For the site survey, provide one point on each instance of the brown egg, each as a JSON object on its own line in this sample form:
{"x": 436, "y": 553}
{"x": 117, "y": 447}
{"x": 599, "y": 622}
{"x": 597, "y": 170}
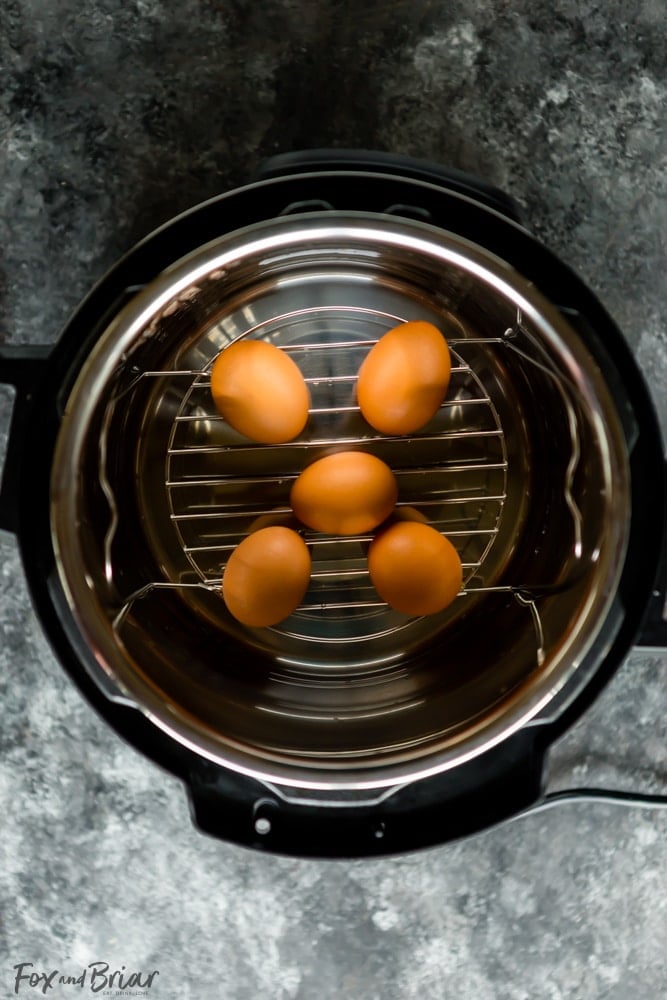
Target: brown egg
{"x": 414, "y": 568}
{"x": 260, "y": 391}
{"x": 347, "y": 493}
{"x": 402, "y": 513}
{"x": 404, "y": 378}
{"x": 285, "y": 519}
{"x": 266, "y": 576}
{"x": 405, "y": 513}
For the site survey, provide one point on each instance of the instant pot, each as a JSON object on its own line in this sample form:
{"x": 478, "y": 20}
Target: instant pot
{"x": 348, "y": 729}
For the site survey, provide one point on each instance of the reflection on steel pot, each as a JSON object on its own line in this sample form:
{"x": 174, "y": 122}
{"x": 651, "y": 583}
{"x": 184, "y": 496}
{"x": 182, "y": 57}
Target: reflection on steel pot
{"x": 348, "y": 727}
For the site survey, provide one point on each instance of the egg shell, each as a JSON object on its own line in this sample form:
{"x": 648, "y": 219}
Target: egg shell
{"x": 266, "y": 576}
{"x": 414, "y": 568}
{"x": 260, "y": 391}
{"x": 402, "y": 513}
{"x": 346, "y": 493}
{"x": 286, "y": 519}
{"x": 406, "y": 513}
{"x": 404, "y": 378}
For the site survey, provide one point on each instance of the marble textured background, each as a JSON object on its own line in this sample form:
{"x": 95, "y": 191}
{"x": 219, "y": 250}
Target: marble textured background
{"x": 115, "y": 115}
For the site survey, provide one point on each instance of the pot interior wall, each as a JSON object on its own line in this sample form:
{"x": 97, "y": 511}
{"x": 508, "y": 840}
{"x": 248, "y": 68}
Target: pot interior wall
{"x": 523, "y": 468}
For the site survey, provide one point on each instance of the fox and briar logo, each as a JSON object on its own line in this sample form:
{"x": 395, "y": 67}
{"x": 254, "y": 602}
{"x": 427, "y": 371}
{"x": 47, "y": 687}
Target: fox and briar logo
{"x": 97, "y": 976}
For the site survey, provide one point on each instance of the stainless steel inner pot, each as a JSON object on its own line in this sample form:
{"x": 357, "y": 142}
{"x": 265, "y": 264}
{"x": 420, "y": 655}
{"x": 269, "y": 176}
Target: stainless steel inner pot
{"x": 524, "y": 468}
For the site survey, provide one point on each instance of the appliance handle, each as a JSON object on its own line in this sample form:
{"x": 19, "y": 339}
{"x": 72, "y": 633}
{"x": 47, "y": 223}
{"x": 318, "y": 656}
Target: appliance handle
{"x": 497, "y": 786}
{"x": 322, "y": 160}
{"x": 653, "y": 633}
{"x": 22, "y": 367}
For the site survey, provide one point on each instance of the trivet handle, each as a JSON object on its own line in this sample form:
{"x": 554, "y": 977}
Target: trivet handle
{"x": 21, "y": 367}
{"x": 449, "y": 178}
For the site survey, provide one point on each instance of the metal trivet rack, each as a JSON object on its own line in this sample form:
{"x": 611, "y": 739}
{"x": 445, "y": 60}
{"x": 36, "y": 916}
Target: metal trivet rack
{"x": 220, "y": 486}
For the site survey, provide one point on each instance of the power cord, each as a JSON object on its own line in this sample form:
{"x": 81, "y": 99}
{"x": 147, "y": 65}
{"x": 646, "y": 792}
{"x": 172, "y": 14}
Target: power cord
{"x": 607, "y": 796}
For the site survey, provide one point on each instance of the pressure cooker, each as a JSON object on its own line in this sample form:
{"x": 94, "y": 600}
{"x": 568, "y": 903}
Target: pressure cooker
{"x": 349, "y": 728}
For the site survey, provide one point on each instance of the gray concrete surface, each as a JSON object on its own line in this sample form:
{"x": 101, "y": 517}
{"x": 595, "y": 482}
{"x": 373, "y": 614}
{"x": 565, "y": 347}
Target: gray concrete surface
{"x": 113, "y": 117}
